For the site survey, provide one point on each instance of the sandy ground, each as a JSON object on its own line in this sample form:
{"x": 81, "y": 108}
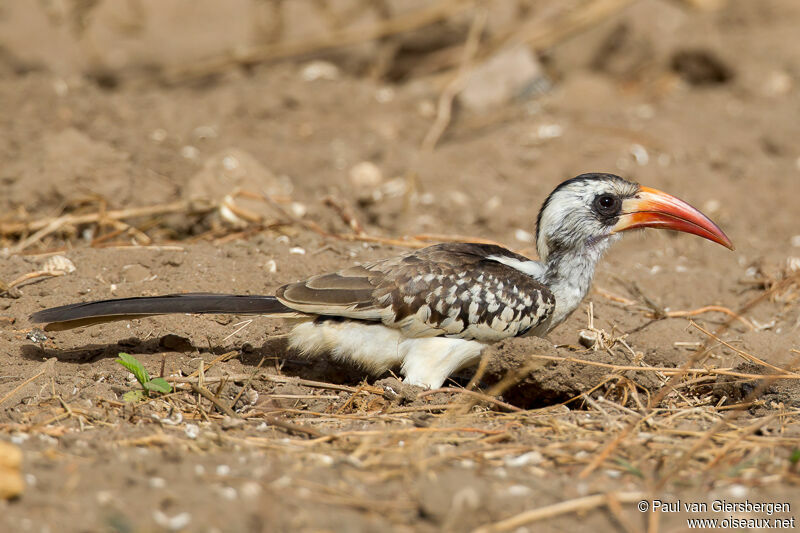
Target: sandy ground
{"x": 77, "y": 139}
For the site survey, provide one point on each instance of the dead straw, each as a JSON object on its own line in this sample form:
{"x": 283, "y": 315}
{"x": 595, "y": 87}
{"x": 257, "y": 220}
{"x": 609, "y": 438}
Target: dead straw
{"x": 569, "y": 506}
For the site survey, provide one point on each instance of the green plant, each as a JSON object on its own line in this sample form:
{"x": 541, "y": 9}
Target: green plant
{"x": 140, "y": 372}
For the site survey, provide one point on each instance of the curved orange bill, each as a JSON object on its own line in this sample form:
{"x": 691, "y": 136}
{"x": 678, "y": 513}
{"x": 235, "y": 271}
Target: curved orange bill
{"x": 651, "y": 208}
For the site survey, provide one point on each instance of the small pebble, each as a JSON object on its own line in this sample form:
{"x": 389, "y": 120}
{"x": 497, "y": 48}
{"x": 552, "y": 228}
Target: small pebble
{"x": 192, "y": 431}
{"x": 712, "y": 206}
{"x": 778, "y": 83}
{"x": 229, "y": 493}
{"x": 738, "y": 491}
{"x": 323, "y": 459}
{"x": 640, "y": 154}
{"x": 426, "y": 109}
{"x": 251, "y": 396}
{"x": 250, "y": 489}
{"x": 319, "y": 70}
{"x": 230, "y": 163}
{"x": 297, "y": 250}
{"x": 384, "y": 95}
{"x": 549, "y": 131}
{"x": 587, "y": 339}
{"x": 190, "y": 152}
{"x": 282, "y": 482}
{"x": 174, "y": 523}
{"x": 36, "y": 336}
{"x": 530, "y": 458}
{"x": 204, "y": 132}
{"x": 158, "y": 135}
{"x": 519, "y": 490}
{"x": 466, "y": 498}
{"x": 524, "y": 236}
{"x": 365, "y": 174}
{"x": 60, "y": 87}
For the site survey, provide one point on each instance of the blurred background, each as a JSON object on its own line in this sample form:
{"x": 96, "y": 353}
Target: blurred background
{"x": 422, "y": 117}
{"x": 152, "y": 146}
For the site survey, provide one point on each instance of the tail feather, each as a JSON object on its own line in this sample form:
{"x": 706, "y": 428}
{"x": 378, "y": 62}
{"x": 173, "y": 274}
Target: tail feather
{"x": 90, "y": 313}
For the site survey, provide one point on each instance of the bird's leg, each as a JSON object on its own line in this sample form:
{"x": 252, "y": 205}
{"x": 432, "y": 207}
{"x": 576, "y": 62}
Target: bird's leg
{"x": 428, "y": 361}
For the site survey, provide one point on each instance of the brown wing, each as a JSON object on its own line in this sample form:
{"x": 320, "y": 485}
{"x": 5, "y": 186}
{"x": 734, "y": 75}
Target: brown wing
{"x": 451, "y": 289}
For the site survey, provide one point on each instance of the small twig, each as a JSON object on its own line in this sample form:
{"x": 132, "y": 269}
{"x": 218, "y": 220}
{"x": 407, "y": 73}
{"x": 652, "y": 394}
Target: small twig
{"x": 743, "y": 433}
{"x": 35, "y": 275}
{"x": 46, "y": 366}
{"x": 242, "y": 325}
{"x": 205, "y": 393}
{"x": 667, "y": 370}
{"x": 295, "y": 428}
{"x": 711, "y": 433}
{"x": 44, "y": 227}
{"x": 474, "y": 394}
{"x": 709, "y": 309}
{"x": 445, "y": 107}
{"x": 358, "y": 34}
{"x": 52, "y": 226}
{"x": 557, "y": 509}
{"x": 279, "y": 379}
{"x": 321, "y": 384}
{"x": 345, "y": 213}
{"x": 745, "y": 355}
{"x": 247, "y": 383}
{"x": 614, "y": 297}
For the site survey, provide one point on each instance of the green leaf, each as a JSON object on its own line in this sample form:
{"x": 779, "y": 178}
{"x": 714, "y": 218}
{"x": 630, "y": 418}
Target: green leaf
{"x": 133, "y": 396}
{"x": 794, "y": 458}
{"x": 158, "y": 385}
{"x": 133, "y": 364}
{"x": 629, "y": 467}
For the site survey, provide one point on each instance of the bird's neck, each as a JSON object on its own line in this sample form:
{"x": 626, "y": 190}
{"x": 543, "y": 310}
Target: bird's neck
{"x": 569, "y": 273}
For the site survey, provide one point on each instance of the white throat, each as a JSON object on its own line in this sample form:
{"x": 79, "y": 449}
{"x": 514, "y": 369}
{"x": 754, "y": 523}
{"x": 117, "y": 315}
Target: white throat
{"x": 569, "y": 276}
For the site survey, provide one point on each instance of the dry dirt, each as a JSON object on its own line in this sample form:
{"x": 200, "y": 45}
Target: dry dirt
{"x": 702, "y": 103}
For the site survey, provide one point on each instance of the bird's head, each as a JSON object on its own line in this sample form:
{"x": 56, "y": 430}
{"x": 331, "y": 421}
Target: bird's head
{"x": 591, "y": 210}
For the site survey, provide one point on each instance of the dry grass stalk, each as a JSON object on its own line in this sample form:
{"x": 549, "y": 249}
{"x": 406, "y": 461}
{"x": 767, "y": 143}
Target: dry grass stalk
{"x": 444, "y": 108}
{"x": 480, "y": 396}
{"x": 570, "y": 506}
{"x": 47, "y": 226}
{"x": 306, "y": 45}
{"x": 46, "y": 368}
{"x": 745, "y": 355}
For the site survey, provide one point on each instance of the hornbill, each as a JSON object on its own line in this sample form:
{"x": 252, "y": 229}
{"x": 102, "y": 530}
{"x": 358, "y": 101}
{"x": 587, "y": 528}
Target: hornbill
{"x": 432, "y": 311}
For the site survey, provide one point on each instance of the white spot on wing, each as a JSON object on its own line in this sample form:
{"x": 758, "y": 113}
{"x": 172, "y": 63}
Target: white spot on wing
{"x": 531, "y": 268}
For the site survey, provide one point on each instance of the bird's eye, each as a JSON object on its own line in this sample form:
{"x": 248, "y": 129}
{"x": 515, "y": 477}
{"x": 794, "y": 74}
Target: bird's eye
{"x": 607, "y": 204}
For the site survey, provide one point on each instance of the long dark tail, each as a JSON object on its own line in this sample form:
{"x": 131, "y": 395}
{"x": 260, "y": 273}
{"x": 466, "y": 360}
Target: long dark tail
{"x": 90, "y": 313}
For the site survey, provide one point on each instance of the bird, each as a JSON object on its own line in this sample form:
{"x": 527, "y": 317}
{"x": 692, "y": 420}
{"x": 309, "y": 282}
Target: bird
{"x": 432, "y": 312}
